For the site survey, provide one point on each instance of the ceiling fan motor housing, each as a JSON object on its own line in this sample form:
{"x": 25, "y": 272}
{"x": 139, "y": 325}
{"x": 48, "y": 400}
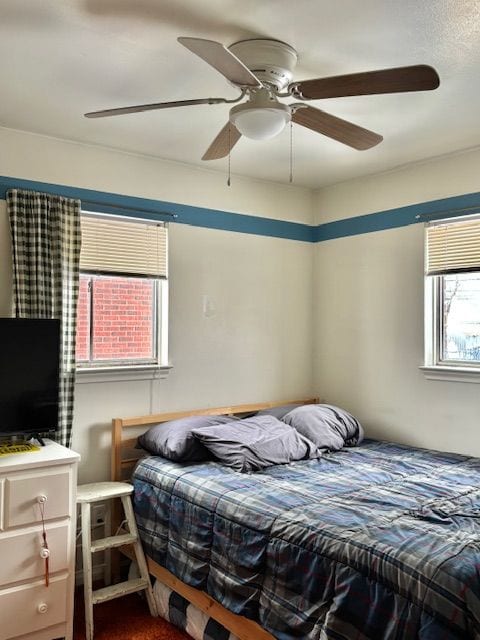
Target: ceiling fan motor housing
{"x": 271, "y": 61}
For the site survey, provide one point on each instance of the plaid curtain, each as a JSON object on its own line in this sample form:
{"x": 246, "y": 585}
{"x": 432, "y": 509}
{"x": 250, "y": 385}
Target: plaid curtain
{"x": 46, "y": 242}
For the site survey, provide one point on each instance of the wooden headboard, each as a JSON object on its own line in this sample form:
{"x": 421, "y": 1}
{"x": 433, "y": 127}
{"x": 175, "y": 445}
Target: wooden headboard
{"x": 124, "y": 454}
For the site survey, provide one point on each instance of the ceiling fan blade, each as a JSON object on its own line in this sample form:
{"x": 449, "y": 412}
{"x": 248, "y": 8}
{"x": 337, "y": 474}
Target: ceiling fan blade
{"x": 223, "y": 143}
{"x": 151, "y": 107}
{"x": 221, "y": 59}
{"x": 336, "y": 128}
{"x": 416, "y": 78}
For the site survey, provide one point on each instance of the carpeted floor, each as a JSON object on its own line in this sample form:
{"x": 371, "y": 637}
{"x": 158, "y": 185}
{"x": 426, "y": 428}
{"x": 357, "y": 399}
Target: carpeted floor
{"x": 125, "y": 618}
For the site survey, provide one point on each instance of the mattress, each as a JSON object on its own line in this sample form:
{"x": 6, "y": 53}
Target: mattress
{"x": 379, "y": 541}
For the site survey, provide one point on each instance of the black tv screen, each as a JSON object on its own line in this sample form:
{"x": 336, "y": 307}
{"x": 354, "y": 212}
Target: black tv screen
{"x": 29, "y": 375}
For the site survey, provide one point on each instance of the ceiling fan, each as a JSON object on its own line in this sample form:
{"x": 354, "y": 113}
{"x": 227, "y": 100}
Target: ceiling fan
{"x": 262, "y": 70}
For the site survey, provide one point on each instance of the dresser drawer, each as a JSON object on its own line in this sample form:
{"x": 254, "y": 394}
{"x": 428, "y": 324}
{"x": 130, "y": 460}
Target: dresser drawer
{"x": 23, "y": 492}
{"x": 20, "y": 552}
{"x": 30, "y": 608}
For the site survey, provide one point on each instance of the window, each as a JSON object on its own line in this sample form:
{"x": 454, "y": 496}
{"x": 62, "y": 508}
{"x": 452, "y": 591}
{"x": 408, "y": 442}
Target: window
{"x": 122, "y": 305}
{"x": 452, "y": 295}
{"x": 460, "y": 309}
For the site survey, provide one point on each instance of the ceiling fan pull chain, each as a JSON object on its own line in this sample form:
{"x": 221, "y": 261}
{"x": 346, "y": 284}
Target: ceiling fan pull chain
{"x": 229, "y": 154}
{"x": 291, "y": 152}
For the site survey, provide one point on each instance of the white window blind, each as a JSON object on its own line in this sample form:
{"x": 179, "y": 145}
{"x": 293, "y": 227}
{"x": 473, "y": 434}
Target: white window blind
{"x": 453, "y": 247}
{"x": 110, "y": 245}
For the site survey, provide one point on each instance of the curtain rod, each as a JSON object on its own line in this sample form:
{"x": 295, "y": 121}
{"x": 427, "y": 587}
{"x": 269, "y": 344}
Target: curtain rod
{"x": 449, "y": 213}
{"x": 106, "y": 207}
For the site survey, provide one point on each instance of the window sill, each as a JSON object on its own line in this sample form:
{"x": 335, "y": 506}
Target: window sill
{"x": 451, "y": 374}
{"x": 117, "y": 374}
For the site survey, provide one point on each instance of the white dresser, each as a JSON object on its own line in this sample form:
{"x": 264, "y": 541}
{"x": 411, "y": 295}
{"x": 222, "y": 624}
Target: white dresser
{"x": 29, "y": 610}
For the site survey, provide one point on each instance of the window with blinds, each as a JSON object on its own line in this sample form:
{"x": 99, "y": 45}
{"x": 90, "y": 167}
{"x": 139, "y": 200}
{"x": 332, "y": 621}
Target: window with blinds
{"x": 122, "y": 307}
{"x": 117, "y": 246}
{"x": 452, "y": 264}
{"x": 453, "y": 247}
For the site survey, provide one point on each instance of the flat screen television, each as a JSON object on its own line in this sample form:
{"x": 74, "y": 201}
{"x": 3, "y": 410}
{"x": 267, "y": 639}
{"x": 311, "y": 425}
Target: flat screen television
{"x": 29, "y": 375}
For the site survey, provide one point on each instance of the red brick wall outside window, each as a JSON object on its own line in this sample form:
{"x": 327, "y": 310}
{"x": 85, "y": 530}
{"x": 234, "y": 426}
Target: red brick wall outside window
{"x": 83, "y": 321}
{"x": 121, "y": 311}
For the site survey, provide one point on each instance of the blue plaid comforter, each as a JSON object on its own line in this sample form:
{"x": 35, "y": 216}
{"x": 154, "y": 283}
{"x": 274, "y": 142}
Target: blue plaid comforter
{"x": 377, "y": 542}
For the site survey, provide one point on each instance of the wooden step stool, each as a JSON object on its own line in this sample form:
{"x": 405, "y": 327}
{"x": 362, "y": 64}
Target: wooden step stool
{"x": 96, "y": 492}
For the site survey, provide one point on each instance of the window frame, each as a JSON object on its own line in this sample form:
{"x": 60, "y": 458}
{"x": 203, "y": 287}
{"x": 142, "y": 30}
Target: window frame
{"x": 113, "y": 370}
{"x": 435, "y": 367}
{"x": 136, "y": 370}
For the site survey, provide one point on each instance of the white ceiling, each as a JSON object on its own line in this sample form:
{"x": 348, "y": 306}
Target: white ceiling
{"x": 61, "y": 58}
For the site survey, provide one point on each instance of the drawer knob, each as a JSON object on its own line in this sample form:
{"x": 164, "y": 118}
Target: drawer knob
{"x": 41, "y": 499}
{"x": 44, "y": 553}
{"x": 42, "y": 607}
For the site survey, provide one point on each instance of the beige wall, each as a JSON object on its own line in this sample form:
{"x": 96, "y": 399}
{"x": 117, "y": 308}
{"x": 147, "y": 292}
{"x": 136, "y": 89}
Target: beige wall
{"x": 443, "y": 177}
{"x": 368, "y": 313}
{"x": 254, "y": 344}
{"x": 364, "y": 321}
{"x": 46, "y": 159}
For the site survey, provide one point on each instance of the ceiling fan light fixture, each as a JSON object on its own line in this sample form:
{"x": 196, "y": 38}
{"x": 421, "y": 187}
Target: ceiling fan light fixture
{"x": 260, "y": 122}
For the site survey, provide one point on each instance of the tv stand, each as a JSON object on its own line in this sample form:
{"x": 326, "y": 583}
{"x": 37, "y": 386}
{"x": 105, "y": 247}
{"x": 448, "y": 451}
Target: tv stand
{"x": 38, "y": 438}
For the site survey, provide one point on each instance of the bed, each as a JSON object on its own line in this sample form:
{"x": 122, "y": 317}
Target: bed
{"x": 379, "y": 541}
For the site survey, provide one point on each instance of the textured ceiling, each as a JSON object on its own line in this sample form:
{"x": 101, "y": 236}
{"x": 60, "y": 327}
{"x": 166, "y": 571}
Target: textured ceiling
{"x": 61, "y": 58}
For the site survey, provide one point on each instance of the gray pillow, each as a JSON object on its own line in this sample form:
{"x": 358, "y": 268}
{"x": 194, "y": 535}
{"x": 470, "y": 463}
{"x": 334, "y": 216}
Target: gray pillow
{"x": 329, "y": 427}
{"x": 174, "y": 440}
{"x": 278, "y": 412}
{"x": 255, "y": 443}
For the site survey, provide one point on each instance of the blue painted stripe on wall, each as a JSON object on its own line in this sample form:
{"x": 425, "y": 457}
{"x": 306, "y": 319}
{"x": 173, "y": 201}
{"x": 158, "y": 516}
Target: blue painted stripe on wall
{"x": 132, "y": 206}
{"x": 104, "y": 202}
{"x": 400, "y": 217}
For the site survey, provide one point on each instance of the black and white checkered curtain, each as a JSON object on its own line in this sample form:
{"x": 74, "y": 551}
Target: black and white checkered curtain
{"x": 46, "y": 242}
